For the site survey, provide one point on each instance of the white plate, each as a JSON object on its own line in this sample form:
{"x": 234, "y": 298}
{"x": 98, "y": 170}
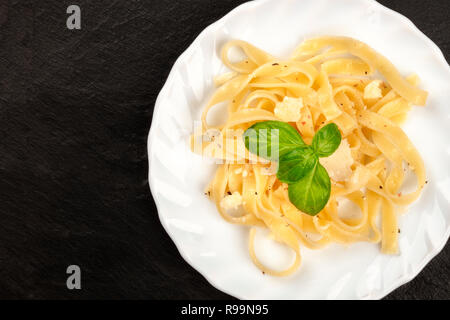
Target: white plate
{"x": 177, "y": 177}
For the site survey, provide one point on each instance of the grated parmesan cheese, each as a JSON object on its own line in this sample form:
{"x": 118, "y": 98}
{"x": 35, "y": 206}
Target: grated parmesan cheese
{"x": 289, "y": 109}
{"x": 231, "y": 202}
{"x": 372, "y": 90}
{"x": 338, "y": 165}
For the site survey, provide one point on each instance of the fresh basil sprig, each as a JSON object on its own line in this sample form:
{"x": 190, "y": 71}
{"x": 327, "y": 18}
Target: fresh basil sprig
{"x": 326, "y": 140}
{"x": 295, "y": 164}
{"x": 257, "y": 139}
{"x": 298, "y": 163}
{"x": 310, "y": 194}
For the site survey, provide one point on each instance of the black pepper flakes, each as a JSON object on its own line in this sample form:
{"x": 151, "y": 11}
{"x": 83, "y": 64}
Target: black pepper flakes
{"x": 381, "y": 187}
{"x": 275, "y": 64}
{"x": 229, "y": 193}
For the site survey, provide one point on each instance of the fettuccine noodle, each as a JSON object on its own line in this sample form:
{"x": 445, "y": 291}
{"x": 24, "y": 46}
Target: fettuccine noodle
{"x": 331, "y": 79}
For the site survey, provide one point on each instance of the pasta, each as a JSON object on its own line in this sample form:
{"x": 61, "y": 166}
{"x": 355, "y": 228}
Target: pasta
{"x": 327, "y": 79}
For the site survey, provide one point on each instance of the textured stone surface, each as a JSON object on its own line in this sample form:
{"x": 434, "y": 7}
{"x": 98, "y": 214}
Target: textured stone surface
{"x": 75, "y": 110}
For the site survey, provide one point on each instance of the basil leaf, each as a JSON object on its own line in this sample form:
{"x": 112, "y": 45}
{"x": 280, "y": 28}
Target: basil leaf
{"x": 295, "y": 164}
{"x": 311, "y": 193}
{"x": 326, "y": 140}
{"x": 272, "y": 139}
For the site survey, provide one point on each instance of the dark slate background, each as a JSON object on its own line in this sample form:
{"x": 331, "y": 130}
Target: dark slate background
{"x": 75, "y": 111}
